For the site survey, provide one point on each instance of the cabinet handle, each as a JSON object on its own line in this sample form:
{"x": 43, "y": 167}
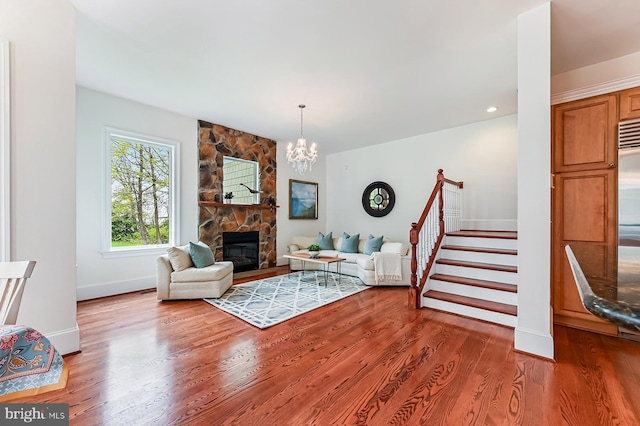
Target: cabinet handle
{"x": 612, "y": 165}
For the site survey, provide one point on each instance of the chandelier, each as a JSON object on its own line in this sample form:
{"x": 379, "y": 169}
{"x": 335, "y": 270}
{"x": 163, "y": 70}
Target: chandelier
{"x": 300, "y": 157}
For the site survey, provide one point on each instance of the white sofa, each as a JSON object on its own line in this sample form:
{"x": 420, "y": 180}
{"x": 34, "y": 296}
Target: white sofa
{"x": 191, "y": 282}
{"x": 355, "y": 264}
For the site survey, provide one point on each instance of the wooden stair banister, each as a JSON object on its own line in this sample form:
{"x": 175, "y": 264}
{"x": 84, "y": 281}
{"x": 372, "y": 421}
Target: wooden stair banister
{"x": 414, "y": 237}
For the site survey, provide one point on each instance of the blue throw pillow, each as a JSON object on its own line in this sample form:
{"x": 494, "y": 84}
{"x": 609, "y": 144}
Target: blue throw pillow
{"x": 373, "y": 244}
{"x": 325, "y": 241}
{"x": 201, "y": 255}
{"x": 349, "y": 243}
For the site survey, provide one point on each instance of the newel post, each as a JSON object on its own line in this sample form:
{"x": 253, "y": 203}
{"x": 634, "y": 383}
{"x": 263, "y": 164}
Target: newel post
{"x": 414, "y": 297}
{"x": 441, "y": 201}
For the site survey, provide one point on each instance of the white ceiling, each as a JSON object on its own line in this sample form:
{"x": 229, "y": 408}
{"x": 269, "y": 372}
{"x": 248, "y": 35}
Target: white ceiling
{"x": 369, "y": 71}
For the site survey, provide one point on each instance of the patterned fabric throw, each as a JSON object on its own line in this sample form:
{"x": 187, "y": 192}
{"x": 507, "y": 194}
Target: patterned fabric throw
{"x": 267, "y": 302}
{"x": 28, "y": 361}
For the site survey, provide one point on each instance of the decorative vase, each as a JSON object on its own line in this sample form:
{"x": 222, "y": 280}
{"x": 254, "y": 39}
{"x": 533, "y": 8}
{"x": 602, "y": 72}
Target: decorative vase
{"x": 314, "y": 254}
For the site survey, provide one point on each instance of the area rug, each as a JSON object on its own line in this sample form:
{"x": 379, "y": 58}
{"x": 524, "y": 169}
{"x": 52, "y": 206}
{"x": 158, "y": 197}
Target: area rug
{"x": 270, "y": 301}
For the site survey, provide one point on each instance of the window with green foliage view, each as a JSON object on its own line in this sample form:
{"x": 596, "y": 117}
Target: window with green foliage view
{"x": 141, "y": 195}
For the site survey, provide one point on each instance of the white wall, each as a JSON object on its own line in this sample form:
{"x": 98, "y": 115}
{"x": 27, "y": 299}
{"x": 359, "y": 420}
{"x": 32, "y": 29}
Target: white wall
{"x": 43, "y": 180}
{"x": 534, "y": 330}
{"x": 99, "y": 276}
{"x": 604, "y": 77}
{"x": 5, "y": 153}
{"x": 288, "y": 228}
{"x": 483, "y": 155}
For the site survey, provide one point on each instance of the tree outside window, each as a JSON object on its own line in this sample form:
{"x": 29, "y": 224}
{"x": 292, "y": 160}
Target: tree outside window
{"x": 141, "y": 196}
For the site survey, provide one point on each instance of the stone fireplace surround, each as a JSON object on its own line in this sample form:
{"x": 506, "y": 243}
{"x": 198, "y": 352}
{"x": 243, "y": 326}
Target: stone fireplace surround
{"x": 214, "y": 142}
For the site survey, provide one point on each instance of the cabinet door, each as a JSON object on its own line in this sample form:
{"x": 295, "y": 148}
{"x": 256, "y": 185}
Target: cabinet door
{"x": 584, "y": 216}
{"x": 584, "y": 134}
{"x": 630, "y": 103}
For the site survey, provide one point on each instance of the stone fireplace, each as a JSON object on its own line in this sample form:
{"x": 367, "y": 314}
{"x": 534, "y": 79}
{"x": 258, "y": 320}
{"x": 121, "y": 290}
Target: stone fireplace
{"x": 215, "y": 217}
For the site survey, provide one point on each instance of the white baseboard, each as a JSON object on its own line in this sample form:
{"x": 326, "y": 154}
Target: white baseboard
{"x": 534, "y": 342}
{"x": 491, "y": 225}
{"x": 95, "y": 291}
{"x": 66, "y": 341}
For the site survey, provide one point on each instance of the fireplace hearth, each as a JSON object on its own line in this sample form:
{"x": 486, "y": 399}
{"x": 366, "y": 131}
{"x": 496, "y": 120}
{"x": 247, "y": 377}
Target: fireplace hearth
{"x": 241, "y": 248}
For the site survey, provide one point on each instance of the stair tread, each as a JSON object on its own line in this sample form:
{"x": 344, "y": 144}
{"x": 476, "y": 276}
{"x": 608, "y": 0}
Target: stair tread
{"x": 473, "y": 302}
{"x": 508, "y": 235}
{"x": 494, "y": 285}
{"x": 480, "y": 249}
{"x": 479, "y": 265}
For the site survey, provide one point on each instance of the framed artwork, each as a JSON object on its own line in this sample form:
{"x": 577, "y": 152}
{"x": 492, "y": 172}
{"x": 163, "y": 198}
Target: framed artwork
{"x": 303, "y": 199}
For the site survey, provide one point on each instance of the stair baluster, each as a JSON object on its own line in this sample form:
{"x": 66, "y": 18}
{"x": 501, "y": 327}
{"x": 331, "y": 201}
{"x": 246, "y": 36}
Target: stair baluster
{"x": 442, "y": 213}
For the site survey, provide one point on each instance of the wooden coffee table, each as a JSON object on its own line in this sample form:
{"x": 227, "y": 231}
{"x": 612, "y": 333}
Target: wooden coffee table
{"x": 325, "y": 261}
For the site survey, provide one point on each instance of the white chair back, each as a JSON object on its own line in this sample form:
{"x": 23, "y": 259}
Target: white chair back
{"x": 13, "y": 277}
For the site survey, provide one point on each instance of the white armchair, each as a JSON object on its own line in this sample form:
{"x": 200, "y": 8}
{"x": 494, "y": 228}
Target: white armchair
{"x": 190, "y": 282}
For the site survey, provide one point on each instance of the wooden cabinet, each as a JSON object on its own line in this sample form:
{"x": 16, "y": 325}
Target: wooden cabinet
{"x": 630, "y": 104}
{"x": 584, "y": 201}
{"x": 584, "y": 216}
{"x": 584, "y": 134}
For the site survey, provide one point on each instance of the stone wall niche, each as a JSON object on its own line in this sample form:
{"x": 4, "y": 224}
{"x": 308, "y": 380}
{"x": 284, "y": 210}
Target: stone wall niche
{"x": 216, "y": 141}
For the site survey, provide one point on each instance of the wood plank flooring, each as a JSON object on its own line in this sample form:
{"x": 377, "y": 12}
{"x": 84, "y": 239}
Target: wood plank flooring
{"x": 364, "y": 360}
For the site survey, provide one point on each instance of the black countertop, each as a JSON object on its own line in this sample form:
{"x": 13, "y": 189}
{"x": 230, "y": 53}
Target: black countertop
{"x": 614, "y": 298}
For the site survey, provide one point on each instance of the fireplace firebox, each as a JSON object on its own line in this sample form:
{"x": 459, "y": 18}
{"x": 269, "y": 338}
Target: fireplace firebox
{"x": 241, "y": 248}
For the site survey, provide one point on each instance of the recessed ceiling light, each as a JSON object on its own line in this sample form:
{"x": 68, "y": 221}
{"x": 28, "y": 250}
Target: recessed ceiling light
{"x": 492, "y": 109}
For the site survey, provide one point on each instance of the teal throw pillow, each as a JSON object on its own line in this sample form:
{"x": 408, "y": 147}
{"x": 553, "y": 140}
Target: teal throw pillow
{"x": 373, "y": 244}
{"x": 201, "y": 255}
{"x": 325, "y": 241}
{"x": 349, "y": 243}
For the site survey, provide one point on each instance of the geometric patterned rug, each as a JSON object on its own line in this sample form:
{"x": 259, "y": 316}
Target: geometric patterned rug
{"x": 270, "y": 301}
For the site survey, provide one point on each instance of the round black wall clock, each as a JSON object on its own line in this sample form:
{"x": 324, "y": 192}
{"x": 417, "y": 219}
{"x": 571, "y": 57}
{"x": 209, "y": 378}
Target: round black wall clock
{"x": 378, "y": 199}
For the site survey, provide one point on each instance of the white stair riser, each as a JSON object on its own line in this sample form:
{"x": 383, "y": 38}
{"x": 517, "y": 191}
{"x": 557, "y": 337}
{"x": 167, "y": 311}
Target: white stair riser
{"x": 468, "y": 311}
{"x": 474, "y": 256}
{"x": 493, "y": 295}
{"x": 499, "y": 243}
{"x": 481, "y": 274}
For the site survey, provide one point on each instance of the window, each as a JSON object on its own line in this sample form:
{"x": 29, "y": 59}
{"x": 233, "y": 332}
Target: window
{"x": 140, "y": 193}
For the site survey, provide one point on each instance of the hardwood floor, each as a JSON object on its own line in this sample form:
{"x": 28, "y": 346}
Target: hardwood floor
{"x": 367, "y": 359}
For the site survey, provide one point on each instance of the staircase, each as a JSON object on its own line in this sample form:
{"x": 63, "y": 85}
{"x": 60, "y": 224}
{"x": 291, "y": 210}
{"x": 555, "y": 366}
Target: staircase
{"x": 475, "y": 275}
